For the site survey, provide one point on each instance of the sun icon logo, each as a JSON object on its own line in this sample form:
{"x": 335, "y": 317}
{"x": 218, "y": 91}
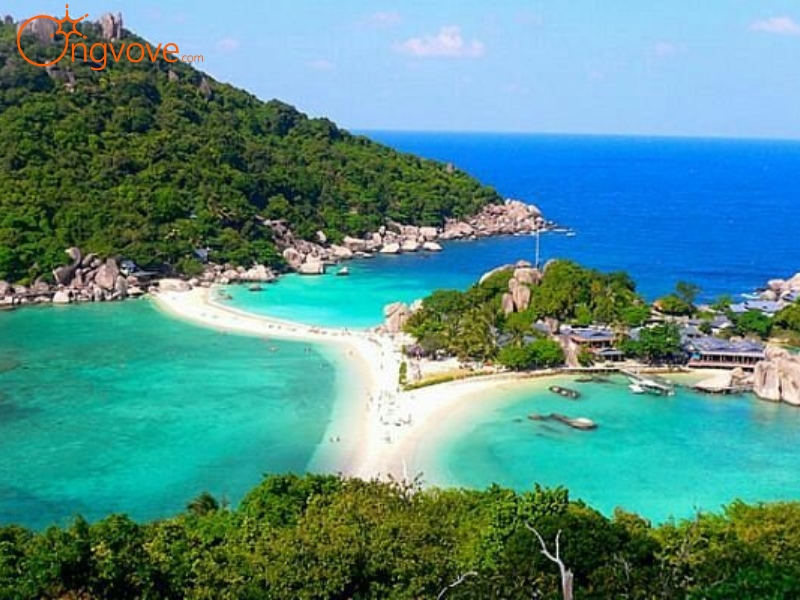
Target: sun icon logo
{"x": 59, "y": 31}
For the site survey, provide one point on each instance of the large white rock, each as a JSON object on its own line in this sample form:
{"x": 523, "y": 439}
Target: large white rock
{"x": 520, "y": 294}
{"x": 293, "y": 258}
{"x": 173, "y": 285}
{"x": 409, "y": 246}
{"x": 397, "y": 315}
{"x": 106, "y": 276}
{"x": 776, "y": 285}
{"x": 527, "y": 275}
{"x": 778, "y": 377}
{"x": 794, "y": 283}
{"x": 258, "y": 273}
{"x": 432, "y": 247}
{"x": 312, "y": 266}
{"x": 341, "y": 252}
{"x": 62, "y": 297}
{"x": 429, "y": 233}
{"x": 354, "y": 244}
{"x": 508, "y": 304}
{"x": 392, "y": 248}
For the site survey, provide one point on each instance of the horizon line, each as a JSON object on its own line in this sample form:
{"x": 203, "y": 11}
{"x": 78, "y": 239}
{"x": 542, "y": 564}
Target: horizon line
{"x": 666, "y": 136}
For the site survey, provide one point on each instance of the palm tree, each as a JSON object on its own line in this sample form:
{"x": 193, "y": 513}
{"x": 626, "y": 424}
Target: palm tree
{"x": 204, "y": 504}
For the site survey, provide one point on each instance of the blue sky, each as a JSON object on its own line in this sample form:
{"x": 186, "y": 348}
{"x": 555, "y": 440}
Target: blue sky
{"x": 710, "y": 68}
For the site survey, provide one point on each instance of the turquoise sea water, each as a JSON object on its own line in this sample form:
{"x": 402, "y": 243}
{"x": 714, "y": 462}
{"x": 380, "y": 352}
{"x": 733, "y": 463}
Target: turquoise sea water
{"x": 718, "y": 213}
{"x": 661, "y": 457}
{"x": 117, "y": 408}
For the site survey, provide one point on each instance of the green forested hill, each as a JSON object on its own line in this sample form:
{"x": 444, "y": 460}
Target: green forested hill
{"x": 152, "y": 160}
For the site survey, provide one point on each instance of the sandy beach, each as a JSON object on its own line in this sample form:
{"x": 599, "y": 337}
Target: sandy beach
{"x": 375, "y": 428}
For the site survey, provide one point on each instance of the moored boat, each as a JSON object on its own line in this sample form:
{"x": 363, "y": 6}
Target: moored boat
{"x": 581, "y": 423}
{"x": 565, "y": 392}
{"x": 576, "y": 423}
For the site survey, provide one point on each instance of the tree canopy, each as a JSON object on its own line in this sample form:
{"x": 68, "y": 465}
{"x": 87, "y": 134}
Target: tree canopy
{"x": 152, "y": 160}
{"x": 322, "y": 537}
{"x": 470, "y": 324}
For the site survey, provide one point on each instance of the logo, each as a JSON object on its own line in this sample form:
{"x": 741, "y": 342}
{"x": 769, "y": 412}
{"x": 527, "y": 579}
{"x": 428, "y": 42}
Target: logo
{"x": 60, "y": 30}
{"x": 97, "y": 54}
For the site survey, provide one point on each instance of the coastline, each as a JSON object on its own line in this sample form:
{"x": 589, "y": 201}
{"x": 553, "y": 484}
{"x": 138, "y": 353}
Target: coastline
{"x": 376, "y": 430}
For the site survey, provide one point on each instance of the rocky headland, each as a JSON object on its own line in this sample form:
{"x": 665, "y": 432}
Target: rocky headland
{"x": 786, "y": 290}
{"x": 311, "y": 257}
{"x": 91, "y": 278}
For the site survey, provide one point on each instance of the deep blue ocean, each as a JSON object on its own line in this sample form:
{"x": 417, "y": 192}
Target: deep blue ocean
{"x": 724, "y": 214}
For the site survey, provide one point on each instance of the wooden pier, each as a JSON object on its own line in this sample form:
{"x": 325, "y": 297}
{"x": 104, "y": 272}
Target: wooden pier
{"x": 724, "y": 384}
{"x": 652, "y": 384}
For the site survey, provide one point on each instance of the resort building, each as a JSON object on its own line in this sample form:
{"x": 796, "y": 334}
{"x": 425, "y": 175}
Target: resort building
{"x": 711, "y": 352}
{"x": 599, "y": 342}
{"x": 767, "y": 307}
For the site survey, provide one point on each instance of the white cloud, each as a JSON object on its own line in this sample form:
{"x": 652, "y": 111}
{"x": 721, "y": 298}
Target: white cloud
{"x": 388, "y": 18}
{"x": 667, "y": 49}
{"x": 777, "y": 26}
{"x": 321, "y": 65}
{"x": 448, "y": 43}
{"x": 228, "y": 44}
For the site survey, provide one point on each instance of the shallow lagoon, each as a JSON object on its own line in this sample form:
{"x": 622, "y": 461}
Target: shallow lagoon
{"x": 658, "y": 456}
{"x": 118, "y": 408}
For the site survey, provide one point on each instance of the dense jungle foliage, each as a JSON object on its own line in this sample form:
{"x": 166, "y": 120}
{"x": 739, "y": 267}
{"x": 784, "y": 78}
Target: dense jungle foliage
{"x": 152, "y": 160}
{"x": 321, "y": 537}
{"x": 472, "y": 324}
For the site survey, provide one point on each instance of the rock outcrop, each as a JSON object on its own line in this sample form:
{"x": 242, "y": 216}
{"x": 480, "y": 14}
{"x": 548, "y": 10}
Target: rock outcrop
{"x": 778, "y": 377}
{"x": 87, "y": 278}
{"x": 42, "y": 29}
{"x": 62, "y": 297}
{"x": 782, "y": 289}
{"x": 174, "y": 285}
{"x": 106, "y": 275}
{"x": 111, "y": 26}
{"x": 511, "y": 217}
{"x": 64, "y": 275}
{"x": 396, "y": 316}
{"x": 312, "y": 266}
